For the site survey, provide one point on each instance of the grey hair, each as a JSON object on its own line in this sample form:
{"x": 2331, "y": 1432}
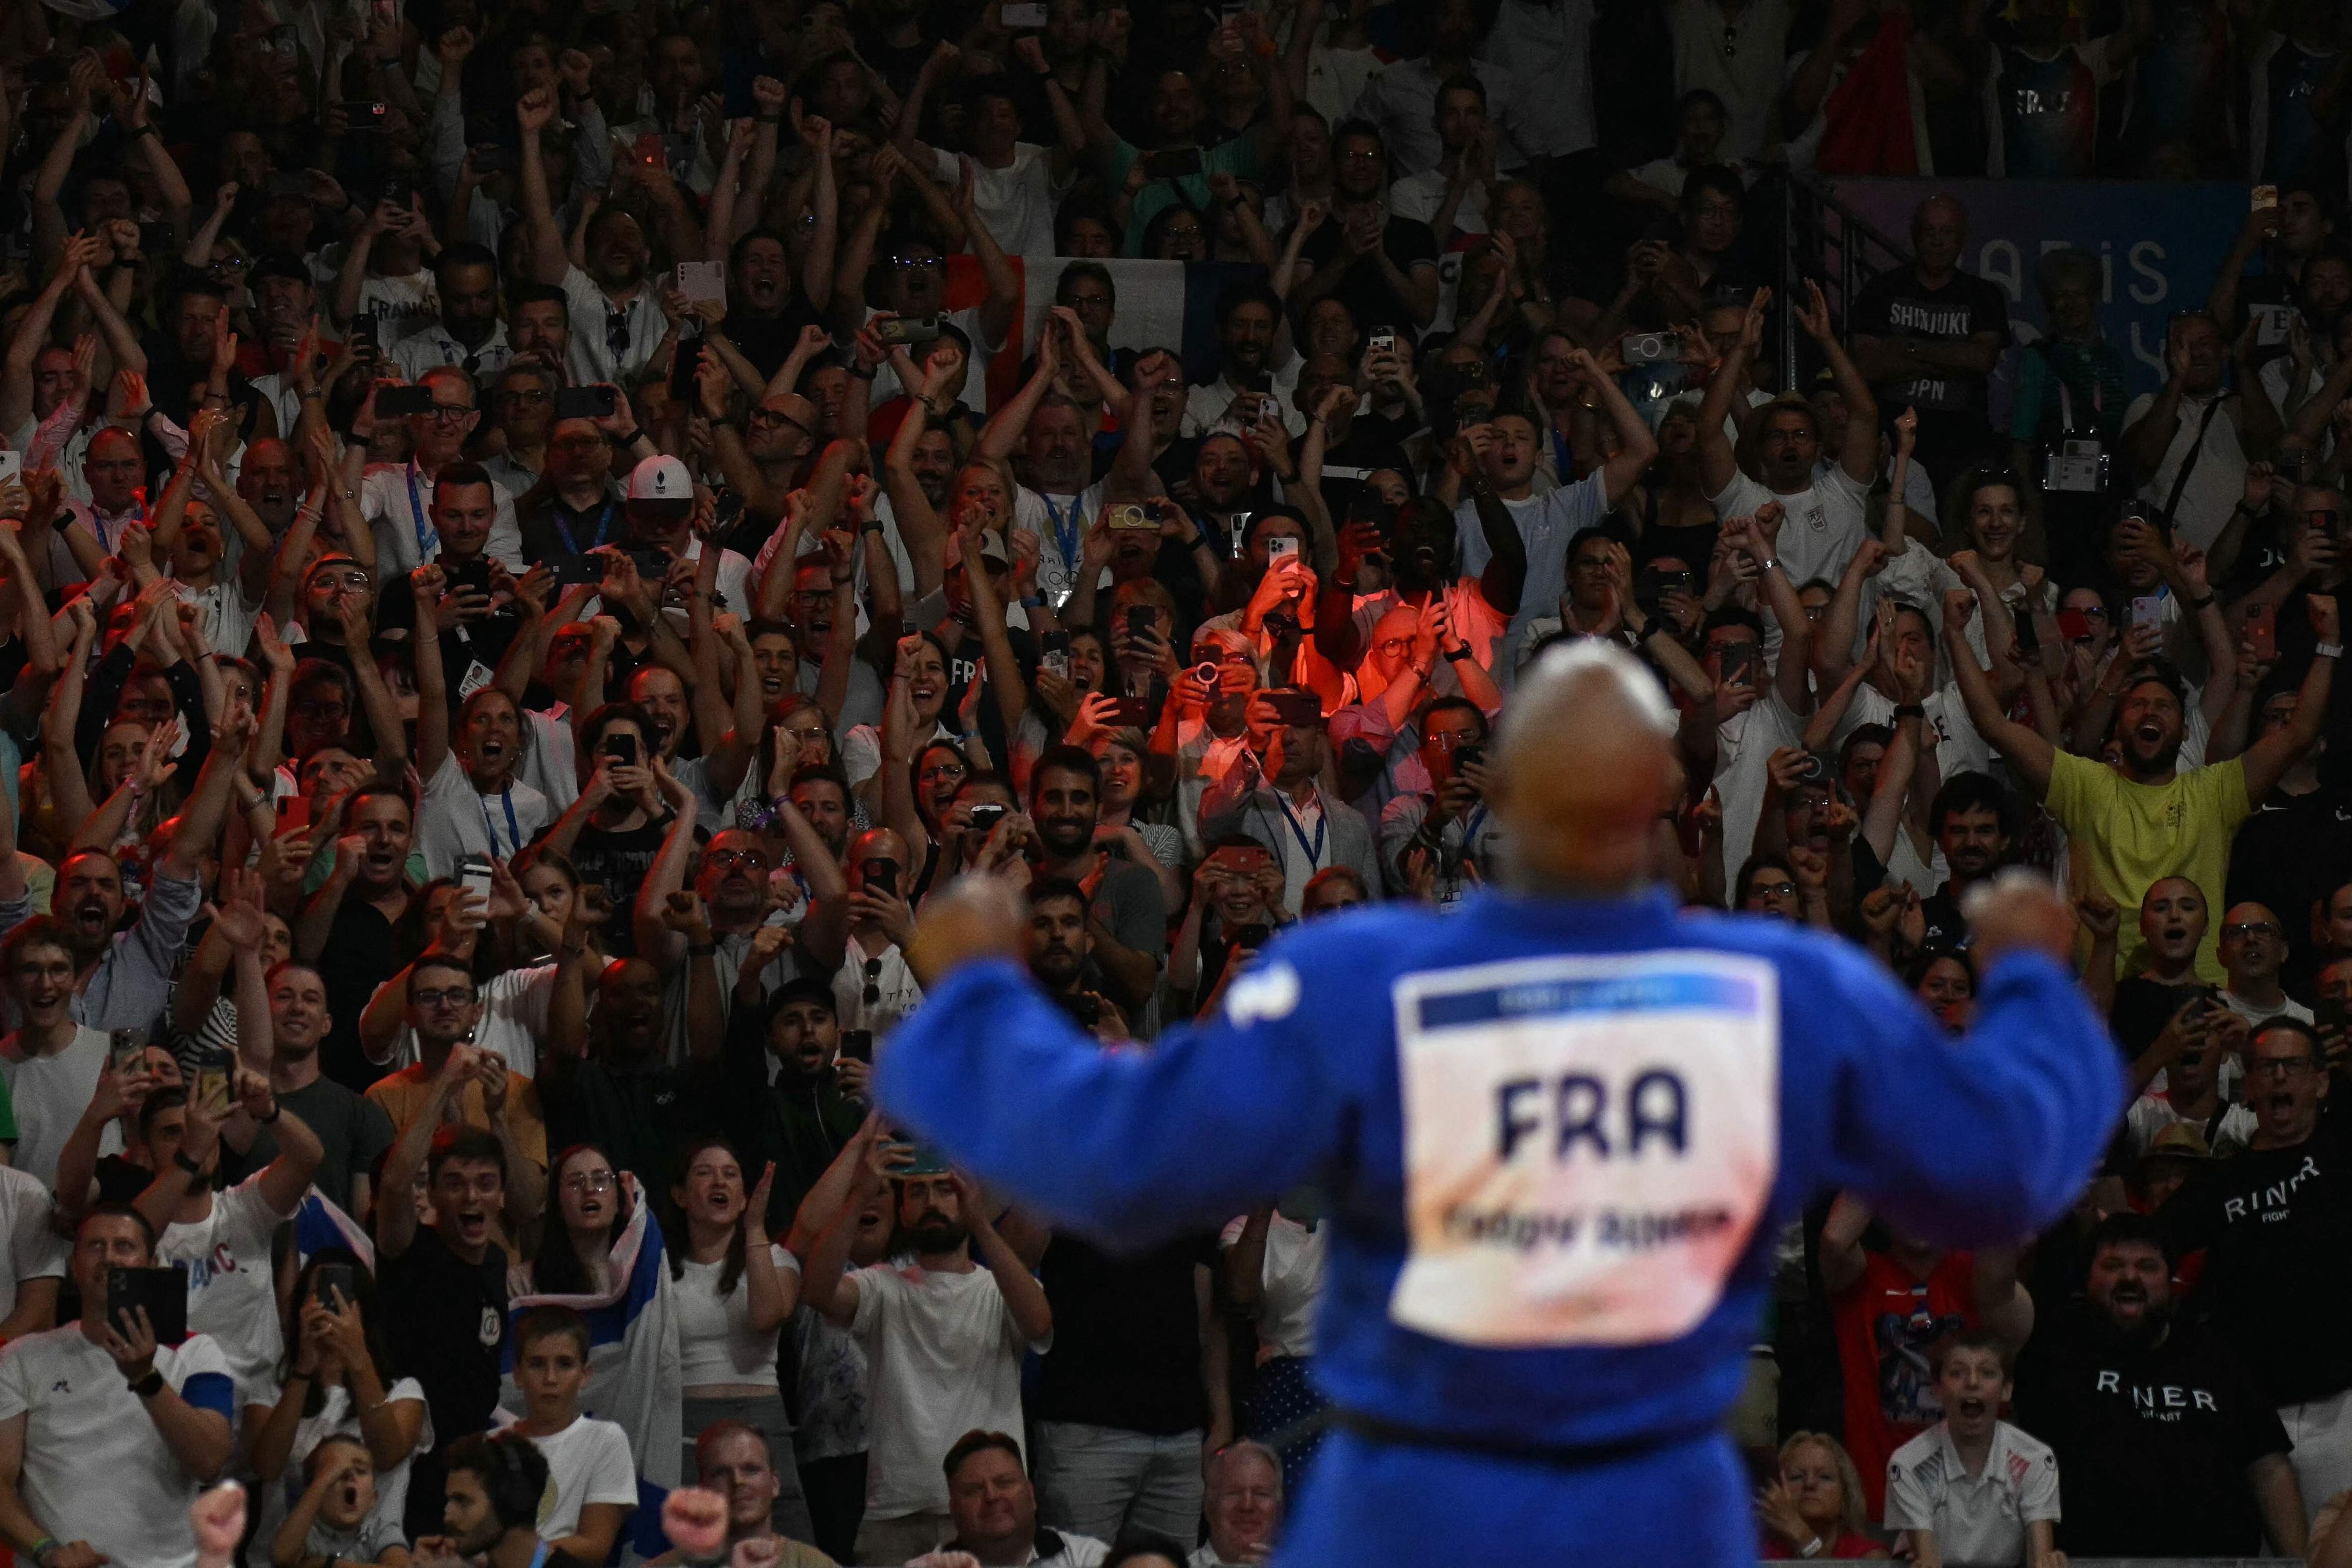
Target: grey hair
{"x": 1568, "y": 662}
{"x": 1246, "y": 1448}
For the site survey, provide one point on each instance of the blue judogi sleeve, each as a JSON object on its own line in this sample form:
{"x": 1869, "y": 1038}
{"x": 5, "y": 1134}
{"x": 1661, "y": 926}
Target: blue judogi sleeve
{"x": 1971, "y": 1142}
{"x": 1121, "y": 1143}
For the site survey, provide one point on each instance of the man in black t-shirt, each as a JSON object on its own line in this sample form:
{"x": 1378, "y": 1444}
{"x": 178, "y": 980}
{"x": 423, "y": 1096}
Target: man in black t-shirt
{"x": 1928, "y": 336}
{"x": 1383, "y": 269}
{"x": 352, "y": 1129}
{"x": 1137, "y": 1372}
{"x": 2165, "y": 1448}
{"x": 443, "y": 1290}
{"x": 2276, "y": 1224}
{"x": 1974, "y": 822}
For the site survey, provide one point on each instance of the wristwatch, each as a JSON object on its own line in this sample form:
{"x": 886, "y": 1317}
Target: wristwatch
{"x": 147, "y": 1387}
{"x": 180, "y": 1158}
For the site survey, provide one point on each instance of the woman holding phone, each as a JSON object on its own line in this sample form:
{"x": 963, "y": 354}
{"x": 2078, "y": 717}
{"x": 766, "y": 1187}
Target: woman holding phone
{"x": 338, "y": 1381}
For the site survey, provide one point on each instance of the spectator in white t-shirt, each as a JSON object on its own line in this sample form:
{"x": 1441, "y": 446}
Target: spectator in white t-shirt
{"x": 1452, "y": 198}
{"x": 1973, "y": 1492}
{"x": 105, "y": 1437}
{"x": 2253, "y": 951}
{"x": 224, "y": 1237}
{"x": 1823, "y": 524}
{"x": 32, "y": 1256}
{"x": 50, "y": 1060}
{"x": 944, "y": 1333}
{"x": 1014, "y": 183}
{"x": 595, "y": 1481}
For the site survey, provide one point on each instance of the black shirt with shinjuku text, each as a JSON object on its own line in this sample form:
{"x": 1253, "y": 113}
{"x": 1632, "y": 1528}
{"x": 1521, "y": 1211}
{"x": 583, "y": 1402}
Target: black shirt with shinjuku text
{"x": 2277, "y": 1227}
{"x": 2153, "y": 1442}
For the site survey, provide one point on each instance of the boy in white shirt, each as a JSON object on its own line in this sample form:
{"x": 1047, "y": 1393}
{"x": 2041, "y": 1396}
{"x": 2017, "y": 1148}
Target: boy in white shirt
{"x": 588, "y": 1460}
{"x": 1973, "y": 1492}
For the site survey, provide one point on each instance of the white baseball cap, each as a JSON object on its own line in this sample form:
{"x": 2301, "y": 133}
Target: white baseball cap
{"x": 660, "y": 478}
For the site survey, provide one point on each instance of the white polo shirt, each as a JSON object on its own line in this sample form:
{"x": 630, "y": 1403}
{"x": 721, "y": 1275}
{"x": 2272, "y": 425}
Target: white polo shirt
{"x": 1978, "y": 1520}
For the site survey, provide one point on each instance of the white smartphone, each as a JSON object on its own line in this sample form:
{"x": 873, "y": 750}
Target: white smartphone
{"x": 1281, "y": 547}
{"x": 702, "y": 280}
{"x": 12, "y": 466}
{"x": 474, "y": 876}
{"x": 2148, "y": 612}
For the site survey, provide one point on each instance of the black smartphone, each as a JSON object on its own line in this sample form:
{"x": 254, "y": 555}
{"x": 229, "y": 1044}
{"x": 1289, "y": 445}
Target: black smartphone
{"x": 881, "y": 876}
{"x": 1252, "y": 936}
{"x": 984, "y": 817}
{"x": 1172, "y": 165}
{"x": 1297, "y": 708}
{"x": 162, "y": 1292}
{"x": 572, "y": 569}
{"x": 1131, "y": 712}
{"x": 215, "y": 1075}
{"x": 1816, "y": 770}
{"x": 587, "y": 403}
{"x": 363, "y": 338}
{"x": 857, "y": 1045}
{"x": 1084, "y": 1009}
{"x": 331, "y": 1281}
{"x": 2029, "y": 635}
{"x": 474, "y": 574}
{"x": 1470, "y": 756}
{"x": 1141, "y": 620}
{"x": 726, "y": 510}
{"x": 651, "y": 564}
{"x": 1743, "y": 664}
{"x": 399, "y": 402}
{"x": 367, "y": 115}
{"x": 621, "y": 747}
{"x": 683, "y": 384}
{"x": 126, "y": 1049}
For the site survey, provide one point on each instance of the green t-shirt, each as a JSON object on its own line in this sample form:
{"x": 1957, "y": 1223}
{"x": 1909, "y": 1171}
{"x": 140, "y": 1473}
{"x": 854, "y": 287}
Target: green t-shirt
{"x": 1237, "y": 157}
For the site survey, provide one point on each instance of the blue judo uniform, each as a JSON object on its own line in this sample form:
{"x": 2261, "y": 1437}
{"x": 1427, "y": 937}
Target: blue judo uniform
{"x": 1557, "y": 1137}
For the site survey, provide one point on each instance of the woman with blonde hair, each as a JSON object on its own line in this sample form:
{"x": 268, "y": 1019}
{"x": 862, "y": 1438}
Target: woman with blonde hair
{"x": 1814, "y": 1508}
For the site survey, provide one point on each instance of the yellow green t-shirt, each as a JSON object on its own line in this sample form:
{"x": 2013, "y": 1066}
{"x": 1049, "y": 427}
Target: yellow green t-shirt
{"x": 2130, "y": 836}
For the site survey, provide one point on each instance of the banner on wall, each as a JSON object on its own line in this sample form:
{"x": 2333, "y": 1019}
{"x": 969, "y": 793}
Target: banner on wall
{"x": 2160, "y": 246}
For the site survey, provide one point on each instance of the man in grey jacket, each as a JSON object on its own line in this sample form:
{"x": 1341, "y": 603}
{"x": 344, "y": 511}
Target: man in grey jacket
{"x": 1288, "y": 813}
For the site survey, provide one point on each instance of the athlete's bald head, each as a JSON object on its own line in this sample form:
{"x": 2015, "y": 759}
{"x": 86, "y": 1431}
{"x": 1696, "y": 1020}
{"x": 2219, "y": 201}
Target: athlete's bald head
{"x": 1585, "y": 768}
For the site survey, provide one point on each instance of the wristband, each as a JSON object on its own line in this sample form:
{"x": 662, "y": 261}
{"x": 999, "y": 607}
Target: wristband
{"x": 1034, "y": 601}
{"x": 139, "y": 131}
{"x": 861, "y": 372}
{"x": 1458, "y": 655}
{"x": 1910, "y": 710}
{"x": 2329, "y": 649}
{"x": 629, "y": 440}
{"x": 1810, "y": 1549}
{"x": 702, "y": 949}
{"x": 180, "y": 1158}
{"x": 276, "y": 1111}
{"x": 2203, "y": 603}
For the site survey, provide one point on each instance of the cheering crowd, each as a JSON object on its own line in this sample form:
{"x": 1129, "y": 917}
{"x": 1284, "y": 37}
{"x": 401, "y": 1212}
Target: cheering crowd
{"x": 532, "y": 539}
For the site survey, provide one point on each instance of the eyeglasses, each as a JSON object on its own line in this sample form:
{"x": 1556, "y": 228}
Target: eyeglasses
{"x": 2279, "y": 1067}
{"x": 813, "y": 732}
{"x": 449, "y": 412}
{"x": 591, "y": 1181}
{"x": 2246, "y": 928}
{"x": 452, "y": 997}
{"x": 1392, "y": 645}
{"x": 939, "y": 770}
{"x": 721, "y": 860}
{"x": 1772, "y": 889}
{"x": 321, "y": 710}
{"x": 521, "y": 394}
